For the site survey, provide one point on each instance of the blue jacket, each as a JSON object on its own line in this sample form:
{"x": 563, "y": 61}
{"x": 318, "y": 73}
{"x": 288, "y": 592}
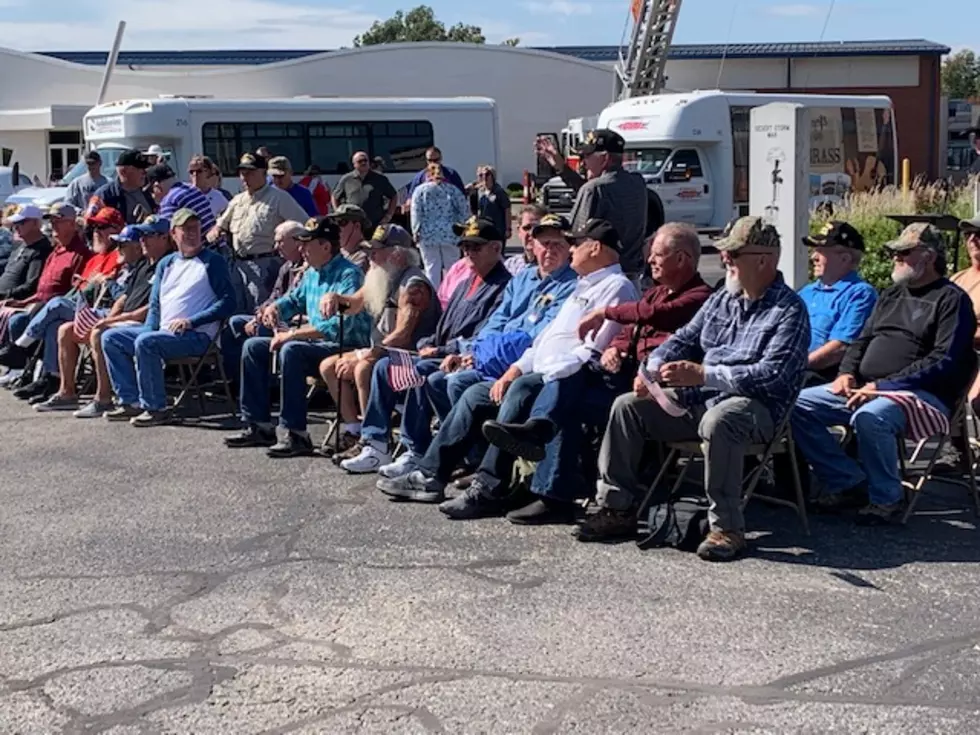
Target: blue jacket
{"x": 218, "y": 276}
{"x": 463, "y": 317}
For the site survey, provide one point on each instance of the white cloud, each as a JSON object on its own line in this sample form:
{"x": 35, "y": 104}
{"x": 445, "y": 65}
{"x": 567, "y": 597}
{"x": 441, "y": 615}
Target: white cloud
{"x": 794, "y": 11}
{"x": 558, "y": 7}
{"x": 194, "y": 24}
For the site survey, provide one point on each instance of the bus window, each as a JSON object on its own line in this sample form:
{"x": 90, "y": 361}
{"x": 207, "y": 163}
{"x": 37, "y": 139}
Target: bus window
{"x": 402, "y": 145}
{"x": 332, "y": 145}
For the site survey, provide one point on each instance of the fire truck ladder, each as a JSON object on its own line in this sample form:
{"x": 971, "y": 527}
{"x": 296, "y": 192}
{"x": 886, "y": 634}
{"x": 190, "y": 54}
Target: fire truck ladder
{"x": 640, "y": 70}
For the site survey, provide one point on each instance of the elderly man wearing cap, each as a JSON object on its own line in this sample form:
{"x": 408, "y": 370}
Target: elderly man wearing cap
{"x": 729, "y": 377}
{"x": 557, "y": 352}
{"x": 81, "y": 189}
{"x": 281, "y": 171}
{"x": 251, "y": 219}
{"x": 192, "y": 293}
{"x": 404, "y": 307}
{"x": 23, "y": 269}
{"x": 242, "y": 326}
{"x": 919, "y": 339}
{"x": 354, "y": 226}
{"x": 839, "y": 302}
{"x": 57, "y": 277}
{"x": 126, "y": 305}
{"x": 463, "y": 318}
{"x": 171, "y": 194}
{"x": 93, "y": 286}
{"x": 126, "y": 193}
{"x": 301, "y": 349}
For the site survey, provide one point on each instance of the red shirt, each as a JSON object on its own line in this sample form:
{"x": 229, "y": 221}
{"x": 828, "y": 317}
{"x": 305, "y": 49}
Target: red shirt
{"x": 659, "y": 313}
{"x": 61, "y": 265}
{"x": 105, "y": 263}
{"x": 320, "y": 192}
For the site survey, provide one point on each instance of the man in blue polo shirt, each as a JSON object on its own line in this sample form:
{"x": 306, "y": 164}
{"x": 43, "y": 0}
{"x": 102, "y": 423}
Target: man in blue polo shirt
{"x": 839, "y": 301}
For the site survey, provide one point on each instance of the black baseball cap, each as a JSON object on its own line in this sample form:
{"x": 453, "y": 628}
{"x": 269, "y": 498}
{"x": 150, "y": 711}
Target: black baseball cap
{"x": 552, "y": 222}
{"x": 159, "y": 172}
{"x": 839, "y": 234}
{"x": 252, "y": 162}
{"x": 93, "y": 157}
{"x": 132, "y": 157}
{"x": 320, "y": 228}
{"x": 478, "y": 231}
{"x": 602, "y": 141}
{"x": 597, "y": 229}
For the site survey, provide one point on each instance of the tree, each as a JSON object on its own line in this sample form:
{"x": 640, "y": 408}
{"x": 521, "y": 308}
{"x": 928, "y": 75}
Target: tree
{"x": 961, "y": 75}
{"x": 510, "y": 42}
{"x": 418, "y": 24}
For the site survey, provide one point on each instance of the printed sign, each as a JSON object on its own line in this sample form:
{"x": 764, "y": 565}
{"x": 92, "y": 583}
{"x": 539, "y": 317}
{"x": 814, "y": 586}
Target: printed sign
{"x": 867, "y": 130}
{"x": 108, "y": 125}
{"x": 826, "y": 140}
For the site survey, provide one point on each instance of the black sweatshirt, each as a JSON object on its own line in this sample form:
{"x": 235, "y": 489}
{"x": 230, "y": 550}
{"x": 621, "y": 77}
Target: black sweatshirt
{"x": 23, "y": 272}
{"x": 917, "y": 339}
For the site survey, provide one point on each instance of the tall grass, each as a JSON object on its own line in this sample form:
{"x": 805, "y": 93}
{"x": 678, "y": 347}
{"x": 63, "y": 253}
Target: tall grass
{"x": 868, "y": 212}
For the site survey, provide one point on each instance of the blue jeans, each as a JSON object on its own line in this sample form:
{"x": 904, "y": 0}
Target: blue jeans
{"x": 457, "y": 383}
{"x": 233, "y": 340}
{"x": 582, "y": 399}
{"x": 135, "y": 357}
{"x": 875, "y": 424}
{"x": 45, "y": 324}
{"x": 383, "y": 399}
{"x": 297, "y": 362}
{"x": 416, "y": 432}
{"x": 16, "y": 326}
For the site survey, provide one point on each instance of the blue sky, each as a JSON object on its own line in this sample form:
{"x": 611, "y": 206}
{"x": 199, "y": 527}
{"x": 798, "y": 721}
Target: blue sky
{"x": 158, "y": 24}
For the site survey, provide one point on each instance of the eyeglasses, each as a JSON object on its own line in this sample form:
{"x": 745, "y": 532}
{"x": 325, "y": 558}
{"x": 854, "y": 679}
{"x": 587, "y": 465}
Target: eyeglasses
{"x": 903, "y": 254}
{"x": 195, "y": 171}
{"x": 433, "y": 160}
{"x": 528, "y": 228}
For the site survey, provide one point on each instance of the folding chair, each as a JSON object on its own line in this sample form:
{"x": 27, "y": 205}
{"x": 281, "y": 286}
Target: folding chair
{"x": 914, "y": 481}
{"x": 189, "y": 368}
{"x": 781, "y": 443}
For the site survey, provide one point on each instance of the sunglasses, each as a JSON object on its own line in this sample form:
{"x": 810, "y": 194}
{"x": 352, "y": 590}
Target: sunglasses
{"x": 193, "y": 171}
{"x": 528, "y": 228}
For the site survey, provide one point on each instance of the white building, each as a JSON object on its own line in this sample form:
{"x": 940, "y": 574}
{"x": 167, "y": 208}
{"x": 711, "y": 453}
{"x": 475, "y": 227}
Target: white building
{"x": 536, "y": 90}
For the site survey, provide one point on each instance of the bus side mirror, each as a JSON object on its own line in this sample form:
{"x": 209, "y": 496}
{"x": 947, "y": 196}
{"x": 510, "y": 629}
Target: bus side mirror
{"x": 15, "y": 176}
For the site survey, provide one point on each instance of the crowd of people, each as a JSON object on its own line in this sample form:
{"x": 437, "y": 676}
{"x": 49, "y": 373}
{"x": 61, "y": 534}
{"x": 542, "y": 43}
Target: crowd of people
{"x": 448, "y": 364}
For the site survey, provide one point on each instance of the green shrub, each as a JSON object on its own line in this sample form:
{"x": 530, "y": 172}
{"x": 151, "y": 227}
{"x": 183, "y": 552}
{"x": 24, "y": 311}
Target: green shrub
{"x": 869, "y": 211}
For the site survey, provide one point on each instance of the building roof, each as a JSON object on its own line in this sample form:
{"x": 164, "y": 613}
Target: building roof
{"x": 915, "y": 47}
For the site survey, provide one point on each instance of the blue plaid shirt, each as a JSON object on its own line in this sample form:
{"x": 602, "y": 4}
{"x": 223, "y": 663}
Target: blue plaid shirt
{"x": 755, "y": 349}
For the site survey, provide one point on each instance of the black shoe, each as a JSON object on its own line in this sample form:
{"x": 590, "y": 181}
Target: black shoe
{"x": 526, "y": 440}
{"x": 543, "y": 511}
{"x": 850, "y": 499}
{"x": 291, "y": 445}
{"x": 42, "y": 388}
{"x": 607, "y": 525}
{"x": 879, "y": 515}
{"x": 25, "y": 379}
{"x": 475, "y": 502}
{"x": 252, "y": 436}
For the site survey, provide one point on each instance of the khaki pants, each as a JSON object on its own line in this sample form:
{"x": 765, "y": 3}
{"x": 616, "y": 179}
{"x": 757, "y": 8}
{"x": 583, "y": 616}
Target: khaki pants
{"x": 725, "y": 430}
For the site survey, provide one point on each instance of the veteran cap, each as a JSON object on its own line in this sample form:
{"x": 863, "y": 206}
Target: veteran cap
{"x": 748, "y": 232}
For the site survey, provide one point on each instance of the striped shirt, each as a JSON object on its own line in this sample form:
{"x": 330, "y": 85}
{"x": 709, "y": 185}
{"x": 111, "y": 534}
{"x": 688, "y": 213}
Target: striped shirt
{"x": 182, "y": 195}
{"x": 754, "y": 349}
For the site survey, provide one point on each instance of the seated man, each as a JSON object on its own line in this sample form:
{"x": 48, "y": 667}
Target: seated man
{"x": 242, "y": 326}
{"x": 22, "y": 271}
{"x": 558, "y": 352}
{"x": 140, "y": 249}
{"x": 94, "y": 285}
{"x": 301, "y": 349}
{"x": 553, "y": 433}
{"x": 469, "y": 308}
{"x": 61, "y": 267}
{"x": 839, "y": 301}
{"x": 353, "y": 224}
{"x": 192, "y": 293}
{"x": 734, "y": 371}
{"x": 530, "y": 216}
{"x": 398, "y": 296}
{"x": 918, "y": 340}
{"x": 531, "y": 301}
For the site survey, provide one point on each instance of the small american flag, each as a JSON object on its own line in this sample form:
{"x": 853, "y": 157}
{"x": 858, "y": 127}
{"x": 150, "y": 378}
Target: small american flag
{"x": 5, "y": 313}
{"x": 922, "y": 420}
{"x": 85, "y": 318}
{"x": 402, "y": 373}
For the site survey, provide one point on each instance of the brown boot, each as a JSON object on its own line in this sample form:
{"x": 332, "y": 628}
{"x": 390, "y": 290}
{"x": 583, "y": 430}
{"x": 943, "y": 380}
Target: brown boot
{"x": 722, "y": 546}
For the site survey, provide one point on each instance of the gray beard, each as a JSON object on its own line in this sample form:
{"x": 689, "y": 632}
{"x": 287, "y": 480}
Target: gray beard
{"x": 905, "y": 276}
{"x": 377, "y": 284}
{"x": 732, "y": 284}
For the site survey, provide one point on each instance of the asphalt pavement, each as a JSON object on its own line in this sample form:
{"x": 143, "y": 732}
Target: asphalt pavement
{"x": 152, "y": 581}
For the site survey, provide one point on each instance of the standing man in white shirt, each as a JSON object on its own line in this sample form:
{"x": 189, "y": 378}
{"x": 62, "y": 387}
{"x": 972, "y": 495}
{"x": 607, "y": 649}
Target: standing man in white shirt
{"x": 556, "y": 353}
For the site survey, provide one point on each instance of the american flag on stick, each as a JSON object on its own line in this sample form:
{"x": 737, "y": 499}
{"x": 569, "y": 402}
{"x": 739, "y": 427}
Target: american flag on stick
{"x": 402, "y": 373}
{"x": 85, "y": 318}
{"x": 5, "y": 313}
{"x": 922, "y": 420}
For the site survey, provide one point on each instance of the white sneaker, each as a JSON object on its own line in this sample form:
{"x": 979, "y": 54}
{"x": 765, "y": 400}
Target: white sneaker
{"x": 10, "y": 376}
{"x": 406, "y": 463}
{"x": 368, "y": 461}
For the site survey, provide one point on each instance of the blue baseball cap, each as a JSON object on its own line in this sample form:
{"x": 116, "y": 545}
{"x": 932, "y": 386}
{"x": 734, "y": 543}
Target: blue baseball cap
{"x": 153, "y": 225}
{"x": 130, "y": 233}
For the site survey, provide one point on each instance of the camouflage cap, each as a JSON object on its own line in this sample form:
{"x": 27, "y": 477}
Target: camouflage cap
{"x": 182, "y": 216}
{"x": 970, "y": 225}
{"x": 918, "y": 235}
{"x": 746, "y": 232}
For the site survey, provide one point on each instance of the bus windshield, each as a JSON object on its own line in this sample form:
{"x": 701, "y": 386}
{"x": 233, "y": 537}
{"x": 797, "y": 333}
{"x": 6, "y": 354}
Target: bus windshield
{"x": 645, "y": 160}
{"x": 110, "y": 154}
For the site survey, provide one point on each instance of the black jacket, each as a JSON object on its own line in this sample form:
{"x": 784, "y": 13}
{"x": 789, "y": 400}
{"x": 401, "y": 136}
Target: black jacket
{"x": 23, "y": 271}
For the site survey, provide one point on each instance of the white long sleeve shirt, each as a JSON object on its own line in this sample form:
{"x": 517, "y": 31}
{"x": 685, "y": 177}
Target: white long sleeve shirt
{"x": 558, "y": 352}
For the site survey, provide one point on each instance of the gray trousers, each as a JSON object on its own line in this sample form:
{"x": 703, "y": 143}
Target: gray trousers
{"x": 254, "y": 280}
{"x": 725, "y": 430}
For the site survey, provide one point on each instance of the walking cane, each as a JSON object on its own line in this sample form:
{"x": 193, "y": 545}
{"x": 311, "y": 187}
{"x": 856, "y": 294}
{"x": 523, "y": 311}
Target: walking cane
{"x": 341, "y": 308}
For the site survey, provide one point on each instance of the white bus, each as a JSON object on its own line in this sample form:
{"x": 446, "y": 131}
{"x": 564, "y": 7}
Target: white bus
{"x": 324, "y": 132}
{"x": 693, "y": 148}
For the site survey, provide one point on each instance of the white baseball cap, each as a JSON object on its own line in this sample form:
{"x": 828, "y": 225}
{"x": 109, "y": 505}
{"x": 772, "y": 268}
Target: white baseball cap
{"x": 154, "y": 150}
{"x": 25, "y": 213}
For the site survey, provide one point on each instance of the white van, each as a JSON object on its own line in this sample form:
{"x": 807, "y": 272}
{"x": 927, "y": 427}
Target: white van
{"x": 693, "y": 149}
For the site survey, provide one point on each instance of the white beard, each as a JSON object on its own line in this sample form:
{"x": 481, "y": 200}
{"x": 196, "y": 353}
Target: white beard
{"x": 903, "y": 276}
{"x": 377, "y": 282}
{"x": 732, "y": 284}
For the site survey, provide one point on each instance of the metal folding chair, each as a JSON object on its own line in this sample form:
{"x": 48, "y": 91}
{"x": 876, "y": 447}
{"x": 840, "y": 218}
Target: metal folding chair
{"x": 189, "y": 370}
